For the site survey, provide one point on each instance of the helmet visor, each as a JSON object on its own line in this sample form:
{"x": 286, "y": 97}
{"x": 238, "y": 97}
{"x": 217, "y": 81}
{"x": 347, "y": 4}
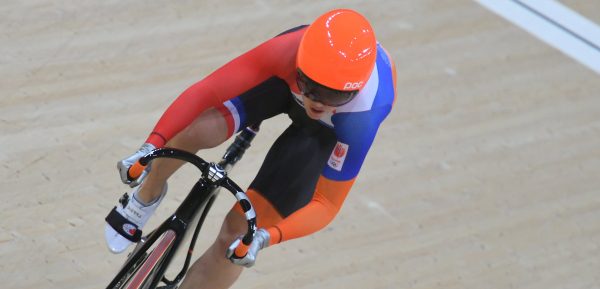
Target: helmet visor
{"x": 323, "y": 94}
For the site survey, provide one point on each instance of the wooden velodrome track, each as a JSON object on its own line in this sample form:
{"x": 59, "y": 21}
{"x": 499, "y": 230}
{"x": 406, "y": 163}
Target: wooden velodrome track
{"x": 485, "y": 175}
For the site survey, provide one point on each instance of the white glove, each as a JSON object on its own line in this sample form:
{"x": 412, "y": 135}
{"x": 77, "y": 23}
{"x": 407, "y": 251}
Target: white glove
{"x": 124, "y": 165}
{"x": 261, "y": 241}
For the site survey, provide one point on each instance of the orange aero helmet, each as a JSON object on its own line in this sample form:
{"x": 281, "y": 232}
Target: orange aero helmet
{"x": 338, "y": 50}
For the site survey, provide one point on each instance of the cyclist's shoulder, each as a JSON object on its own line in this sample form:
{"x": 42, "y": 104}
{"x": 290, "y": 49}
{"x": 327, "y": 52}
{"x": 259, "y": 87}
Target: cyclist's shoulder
{"x": 361, "y": 118}
{"x": 374, "y": 99}
{"x": 288, "y": 39}
{"x": 384, "y": 58}
{"x": 276, "y": 55}
{"x": 298, "y": 30}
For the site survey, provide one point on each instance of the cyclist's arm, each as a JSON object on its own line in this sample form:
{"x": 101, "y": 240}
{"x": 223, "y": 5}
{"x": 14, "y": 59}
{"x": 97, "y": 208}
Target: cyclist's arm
{"x": 354, "y": 139}
{"x": 355, "y": 132}
{"x": 239, "y": 75}
{"x": 318, "y": 213}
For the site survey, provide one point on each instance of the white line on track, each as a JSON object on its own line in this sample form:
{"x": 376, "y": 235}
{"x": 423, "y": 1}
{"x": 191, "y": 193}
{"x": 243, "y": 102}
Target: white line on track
{"x": 555, "y": 24}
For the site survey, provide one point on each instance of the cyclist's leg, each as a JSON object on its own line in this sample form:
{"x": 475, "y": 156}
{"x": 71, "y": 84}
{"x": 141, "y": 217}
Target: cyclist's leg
{"x": 207, "y": 131}
{"x": 212, "y": 270}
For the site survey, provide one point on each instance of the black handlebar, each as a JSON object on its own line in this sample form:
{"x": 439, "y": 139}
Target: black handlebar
{"x": 213, "y": 174}
{"x": 174, "y": 154}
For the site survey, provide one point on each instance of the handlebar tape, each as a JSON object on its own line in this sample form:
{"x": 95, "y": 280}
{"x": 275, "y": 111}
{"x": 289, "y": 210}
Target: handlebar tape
{"x": 135, "y": 171}
{"x": 241, "y": 250}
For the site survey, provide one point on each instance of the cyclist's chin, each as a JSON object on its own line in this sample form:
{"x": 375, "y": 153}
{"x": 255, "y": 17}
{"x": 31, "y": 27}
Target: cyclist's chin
{"x": 316, "y": 110}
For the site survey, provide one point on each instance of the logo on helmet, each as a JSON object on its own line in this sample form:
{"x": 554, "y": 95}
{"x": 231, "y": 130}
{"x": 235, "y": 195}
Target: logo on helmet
{"x": 353, "y": 85}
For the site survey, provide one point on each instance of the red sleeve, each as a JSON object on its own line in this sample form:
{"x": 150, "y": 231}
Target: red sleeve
{"x": 275, "y": 57}
{"x": 318, "y": 213}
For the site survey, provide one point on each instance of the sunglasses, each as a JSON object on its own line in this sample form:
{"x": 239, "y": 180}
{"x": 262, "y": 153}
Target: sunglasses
{"x": 323, "y": 94}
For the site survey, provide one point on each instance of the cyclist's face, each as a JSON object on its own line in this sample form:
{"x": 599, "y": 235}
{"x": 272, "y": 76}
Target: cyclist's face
{"x": 315, "y": 109}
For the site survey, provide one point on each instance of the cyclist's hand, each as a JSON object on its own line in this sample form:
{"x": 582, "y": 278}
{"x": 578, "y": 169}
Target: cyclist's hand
{"x": 261, "y": 241}
{"x": 124, "y": 165}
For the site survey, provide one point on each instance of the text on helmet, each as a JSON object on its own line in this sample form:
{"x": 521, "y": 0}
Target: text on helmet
{"x": 353, "y": 85}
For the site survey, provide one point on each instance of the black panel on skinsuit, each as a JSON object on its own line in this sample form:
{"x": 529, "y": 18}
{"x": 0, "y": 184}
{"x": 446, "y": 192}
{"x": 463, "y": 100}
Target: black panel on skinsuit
{"x": 289, "y": 174}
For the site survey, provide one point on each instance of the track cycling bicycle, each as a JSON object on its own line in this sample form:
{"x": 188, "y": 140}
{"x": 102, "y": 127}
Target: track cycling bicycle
{"x": 146, "y": 265}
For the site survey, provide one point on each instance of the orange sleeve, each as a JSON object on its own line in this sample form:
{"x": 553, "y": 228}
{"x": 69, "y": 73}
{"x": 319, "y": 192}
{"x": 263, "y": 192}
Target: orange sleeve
{"x": 318, "y": 213}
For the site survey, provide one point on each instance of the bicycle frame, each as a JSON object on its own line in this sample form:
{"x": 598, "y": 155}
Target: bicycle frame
{"x": 199, "y": 200}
